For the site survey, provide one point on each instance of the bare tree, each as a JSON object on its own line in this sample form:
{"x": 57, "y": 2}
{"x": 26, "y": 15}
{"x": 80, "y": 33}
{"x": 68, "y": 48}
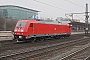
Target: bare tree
{"x": 2, "y": 20}
{"x": 7, "y": 24}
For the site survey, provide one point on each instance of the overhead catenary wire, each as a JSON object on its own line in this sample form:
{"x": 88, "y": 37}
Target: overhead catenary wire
{"x": 27, "y": 7}
{"x": 60, "y": 8}
{"x": 52, "y": 6}
{"x": 74, "y": 3}
{"x": 55, "y": 6}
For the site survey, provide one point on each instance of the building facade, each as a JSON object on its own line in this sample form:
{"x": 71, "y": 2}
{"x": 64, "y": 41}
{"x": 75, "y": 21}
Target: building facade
{"x": 78, "y": 26}
{"x": 17, "y": 12}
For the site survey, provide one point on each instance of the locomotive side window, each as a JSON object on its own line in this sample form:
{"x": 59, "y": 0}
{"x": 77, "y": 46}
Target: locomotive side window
{"x": 31, "y": 24}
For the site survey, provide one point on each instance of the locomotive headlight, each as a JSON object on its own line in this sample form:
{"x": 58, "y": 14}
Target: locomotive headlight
{"x": 22, "y": 30}
{"x": 15, "y": 30}
{"x": 15, "y": 33}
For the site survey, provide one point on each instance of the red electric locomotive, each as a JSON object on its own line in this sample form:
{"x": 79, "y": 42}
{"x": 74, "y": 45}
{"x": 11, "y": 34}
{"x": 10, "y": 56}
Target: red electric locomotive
{"x": 33, "y": 29}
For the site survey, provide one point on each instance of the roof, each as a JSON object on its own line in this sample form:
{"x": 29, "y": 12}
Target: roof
{"x": 18, "y": 7}
{"x": 78, "y": 23}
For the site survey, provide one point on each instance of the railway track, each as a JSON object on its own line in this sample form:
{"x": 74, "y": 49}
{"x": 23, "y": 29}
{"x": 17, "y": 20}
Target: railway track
{"x": 88, "y": 58}
{"x": 7, "y": 45}
{"x": 60, "y": 54}
{"x": 37, "y": 52}
{"x": 78, "y": 54}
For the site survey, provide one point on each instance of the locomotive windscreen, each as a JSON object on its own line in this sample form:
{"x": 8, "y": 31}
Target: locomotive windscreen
{"x": 20, "y": 24}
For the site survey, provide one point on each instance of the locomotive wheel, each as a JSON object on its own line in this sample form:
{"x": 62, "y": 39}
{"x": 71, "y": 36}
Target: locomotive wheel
{"x": 18, "y": 40}
{"x": 37, "y": 39}
{"x": 57, "y": 37}
{"x": 42, "y": 39}
{"x": 33, "y": 40}
{"x": 63, "y": 37}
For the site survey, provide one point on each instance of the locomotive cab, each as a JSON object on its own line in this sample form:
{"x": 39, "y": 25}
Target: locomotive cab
{"x": 21, "y": 30}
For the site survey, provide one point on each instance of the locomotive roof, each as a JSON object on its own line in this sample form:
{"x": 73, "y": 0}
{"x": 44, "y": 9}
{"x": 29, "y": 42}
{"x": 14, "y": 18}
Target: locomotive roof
{"x": 48, "y": 22}
{"x": 45, "y": 22}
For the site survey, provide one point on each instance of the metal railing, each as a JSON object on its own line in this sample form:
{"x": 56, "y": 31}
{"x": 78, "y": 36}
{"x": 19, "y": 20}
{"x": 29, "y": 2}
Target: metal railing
{"x": 6, "y": 35}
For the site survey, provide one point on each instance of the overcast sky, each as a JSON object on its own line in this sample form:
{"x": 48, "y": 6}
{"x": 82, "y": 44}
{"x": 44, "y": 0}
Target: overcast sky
{"x": 52, "y": 8}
